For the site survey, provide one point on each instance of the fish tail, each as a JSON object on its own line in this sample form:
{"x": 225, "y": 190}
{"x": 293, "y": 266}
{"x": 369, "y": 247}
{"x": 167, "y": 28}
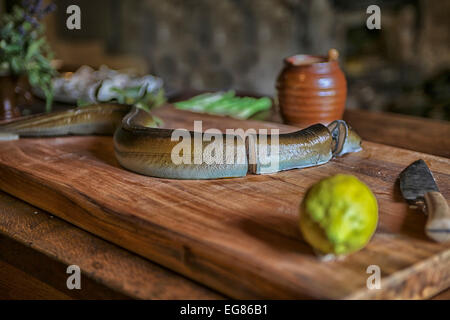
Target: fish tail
{"x": 8, "y": 136}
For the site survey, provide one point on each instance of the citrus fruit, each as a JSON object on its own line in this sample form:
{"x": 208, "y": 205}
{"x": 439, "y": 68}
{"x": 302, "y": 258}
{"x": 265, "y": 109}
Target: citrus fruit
{"x": 338, "y": 215}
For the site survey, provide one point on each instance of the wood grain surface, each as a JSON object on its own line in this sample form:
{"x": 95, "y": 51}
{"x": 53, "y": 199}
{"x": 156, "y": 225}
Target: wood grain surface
{"x": 36, "y": 248}
{"x": 425, "y": 135}
{"x": 238, "y": 236}
{"x": 17, "y": 284}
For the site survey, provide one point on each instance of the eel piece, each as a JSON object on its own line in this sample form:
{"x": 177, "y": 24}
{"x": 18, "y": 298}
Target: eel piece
{"x": 182, "y": 154}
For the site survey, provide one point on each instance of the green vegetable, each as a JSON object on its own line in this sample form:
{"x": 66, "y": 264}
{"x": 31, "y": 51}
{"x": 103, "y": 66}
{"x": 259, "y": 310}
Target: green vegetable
{"x": 200, "y": 103}
{"x": 131, "y": 96}
{"x": 260, "y": 105}
{"x": 226, "y": 103}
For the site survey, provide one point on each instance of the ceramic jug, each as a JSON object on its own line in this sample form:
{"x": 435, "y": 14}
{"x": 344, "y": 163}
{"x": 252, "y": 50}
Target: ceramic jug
{"x": 311, "y": 89}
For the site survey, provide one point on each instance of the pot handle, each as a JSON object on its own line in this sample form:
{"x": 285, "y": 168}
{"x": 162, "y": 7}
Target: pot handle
{"x": 333, "y": 55}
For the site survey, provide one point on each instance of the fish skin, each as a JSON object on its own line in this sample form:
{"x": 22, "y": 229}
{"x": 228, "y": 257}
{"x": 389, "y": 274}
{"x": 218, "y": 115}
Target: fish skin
{"x": 95, "y": 119}
{"x": 8, "y": 136}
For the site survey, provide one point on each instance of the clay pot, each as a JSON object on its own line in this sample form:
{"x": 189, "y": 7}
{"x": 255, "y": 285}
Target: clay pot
{"x": 15, "y": 92}
{"x": 311, "y": 89}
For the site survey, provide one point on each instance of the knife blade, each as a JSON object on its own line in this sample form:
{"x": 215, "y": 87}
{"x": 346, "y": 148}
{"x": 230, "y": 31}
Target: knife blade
{"x": 416, "y": 180}
{"x": 418, "y": 187}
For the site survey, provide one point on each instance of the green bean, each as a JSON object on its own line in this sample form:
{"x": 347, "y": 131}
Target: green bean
{"x": 223, "y": 108}
{"x": 259, "y": 105}
{"x": 225, "y": 104}
{"x": 199, "y": 103}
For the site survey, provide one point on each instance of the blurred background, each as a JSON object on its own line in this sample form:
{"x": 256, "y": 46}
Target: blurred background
{"x": 240, "y": 44}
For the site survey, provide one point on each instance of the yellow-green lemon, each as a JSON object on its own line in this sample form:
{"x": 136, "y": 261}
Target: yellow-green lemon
{"x": 338, "y": 215}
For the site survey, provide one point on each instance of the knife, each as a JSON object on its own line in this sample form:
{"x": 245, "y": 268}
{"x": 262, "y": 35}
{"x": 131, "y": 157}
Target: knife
{"x": 418, "y": 187}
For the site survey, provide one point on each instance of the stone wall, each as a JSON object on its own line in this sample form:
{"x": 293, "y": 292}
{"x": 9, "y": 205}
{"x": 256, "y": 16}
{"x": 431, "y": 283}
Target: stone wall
{"x": 220, "y": 44}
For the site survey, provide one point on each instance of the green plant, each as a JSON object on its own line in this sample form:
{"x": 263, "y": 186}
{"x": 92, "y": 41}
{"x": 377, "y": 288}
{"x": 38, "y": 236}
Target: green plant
{"x": 145, "y": 102}
{"x": 23, "y": 47}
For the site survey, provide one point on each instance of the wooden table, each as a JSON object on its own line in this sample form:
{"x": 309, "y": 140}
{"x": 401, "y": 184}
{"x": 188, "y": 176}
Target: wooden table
{"x": 36, "y": 248}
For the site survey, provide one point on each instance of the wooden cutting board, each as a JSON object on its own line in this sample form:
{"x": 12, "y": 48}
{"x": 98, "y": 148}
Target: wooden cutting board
{"x": 238, "y": 236}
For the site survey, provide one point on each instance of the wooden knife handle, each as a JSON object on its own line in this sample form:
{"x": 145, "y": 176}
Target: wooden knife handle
{"x": 438, "y": 224}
